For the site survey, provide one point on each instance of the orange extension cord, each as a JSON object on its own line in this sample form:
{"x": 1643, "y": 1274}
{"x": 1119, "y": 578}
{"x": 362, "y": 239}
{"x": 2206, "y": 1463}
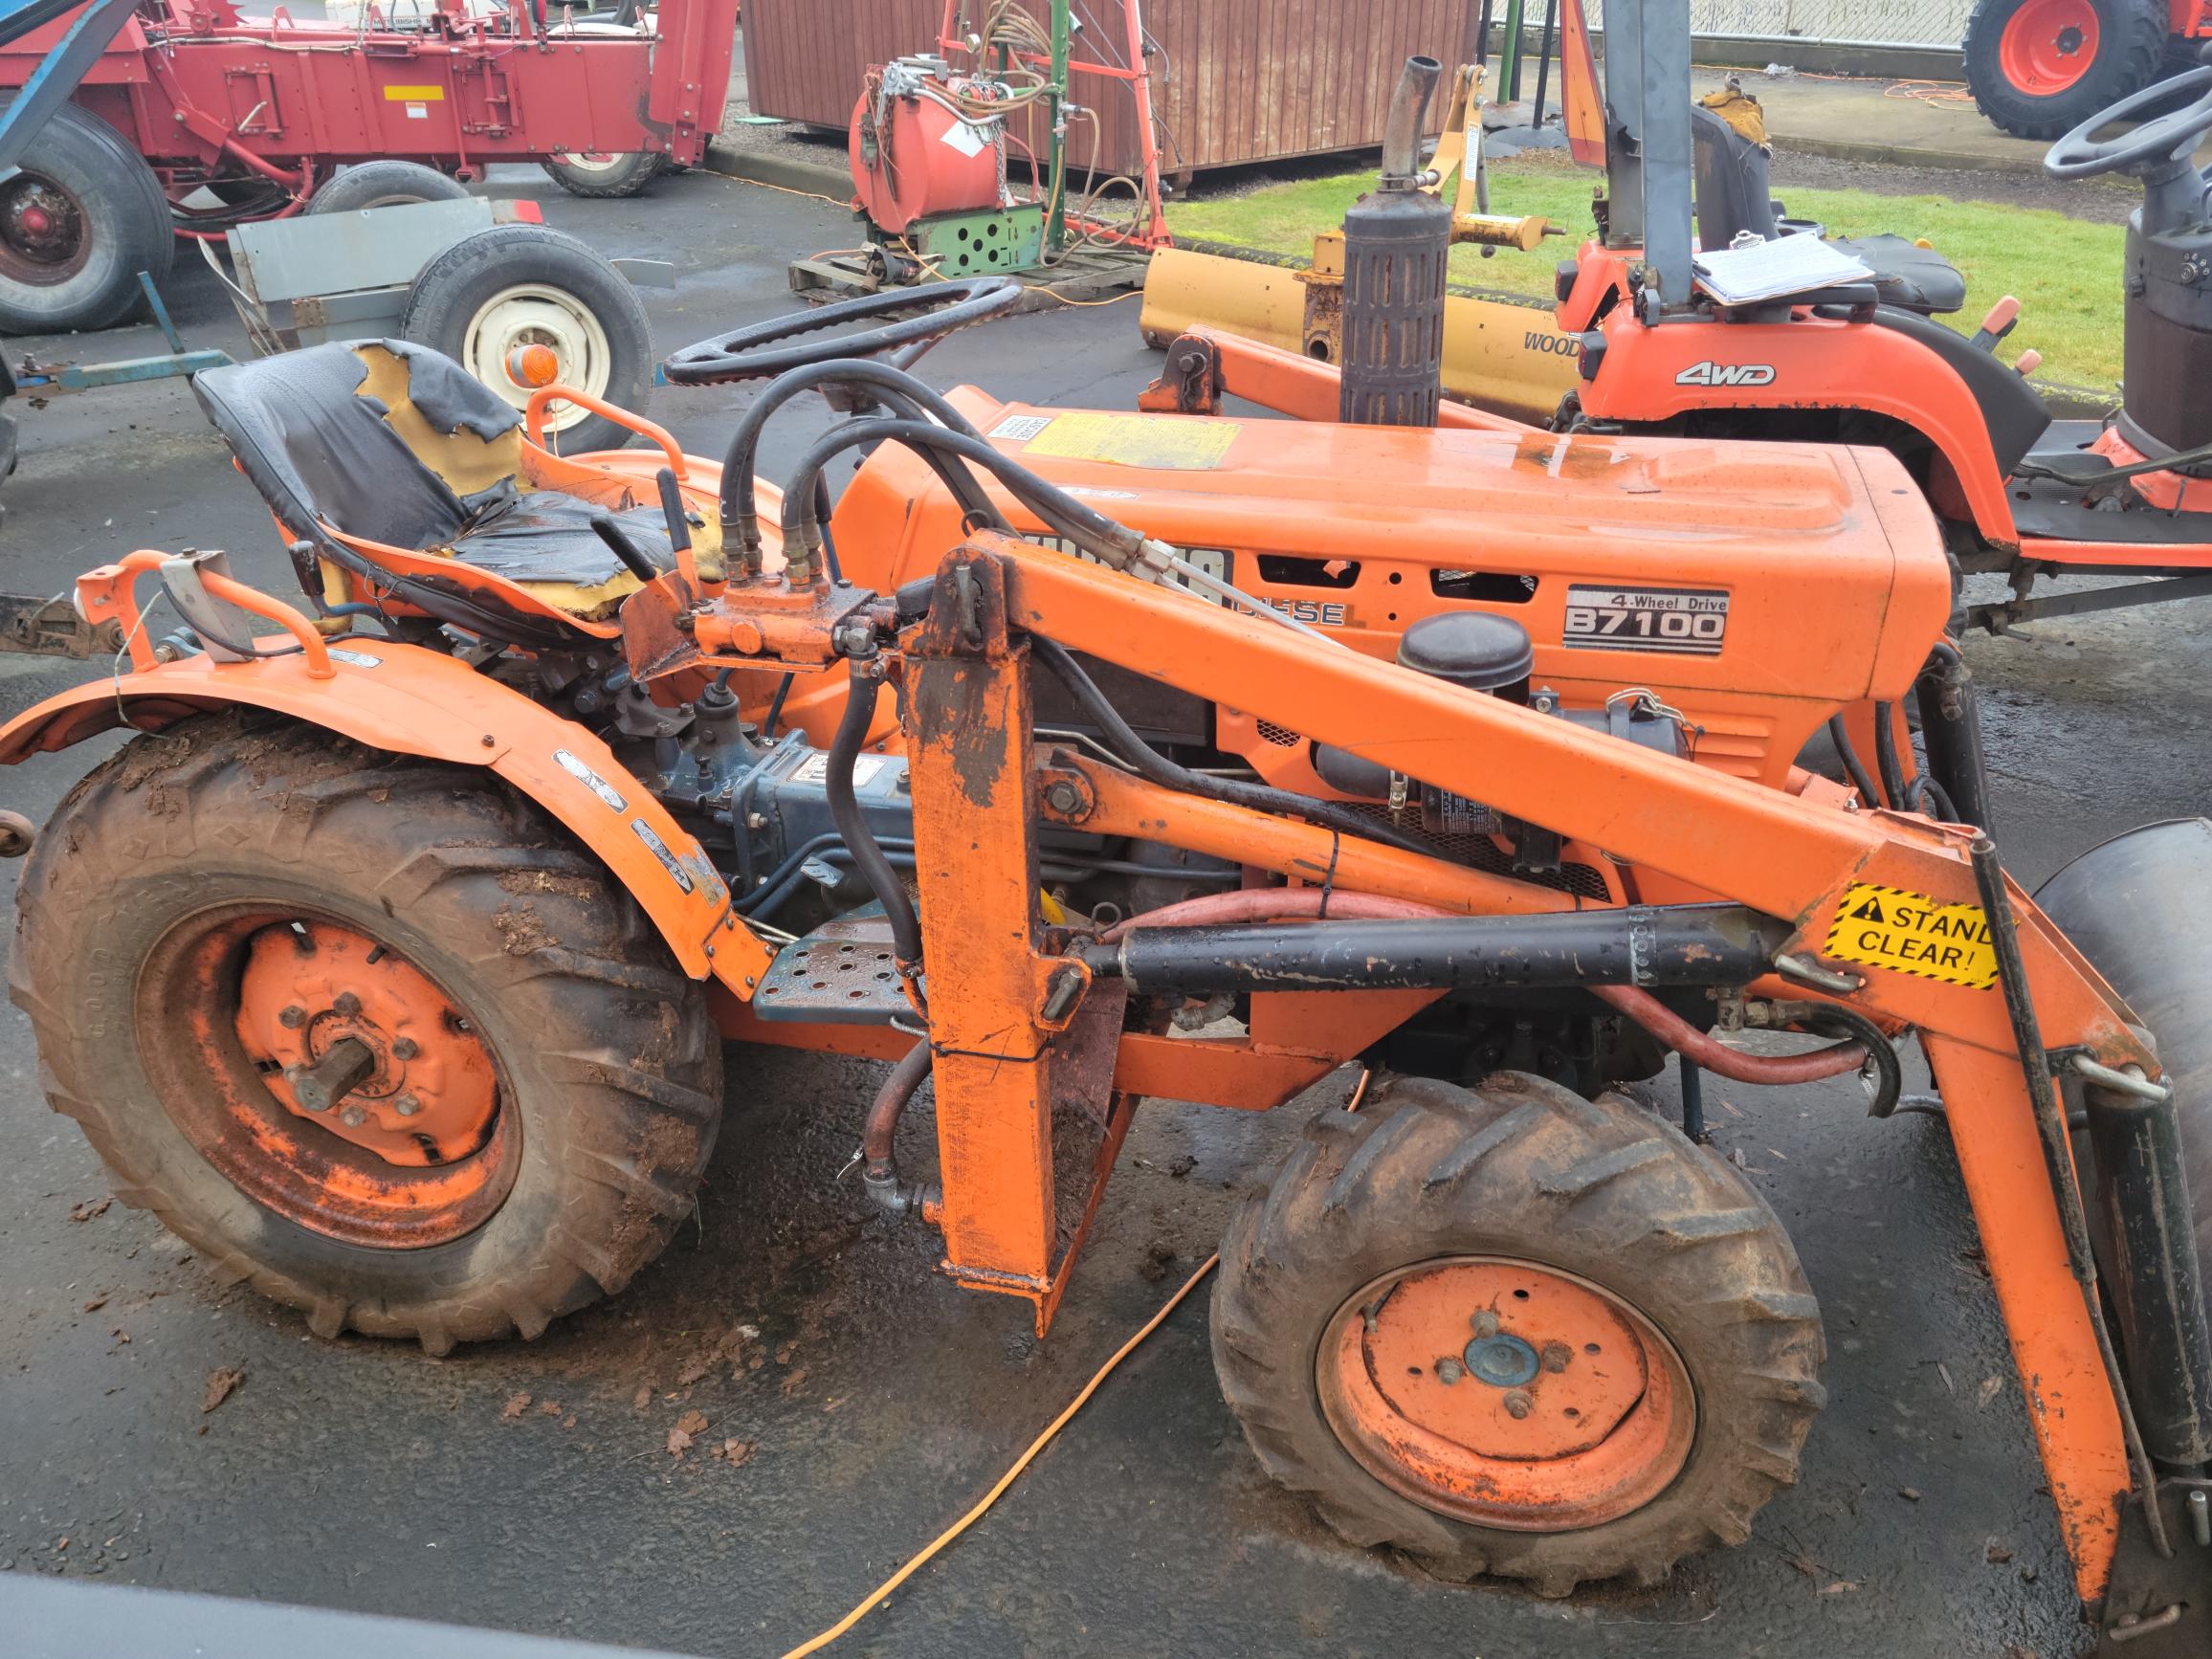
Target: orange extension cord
{"x": 937, "y": 1544}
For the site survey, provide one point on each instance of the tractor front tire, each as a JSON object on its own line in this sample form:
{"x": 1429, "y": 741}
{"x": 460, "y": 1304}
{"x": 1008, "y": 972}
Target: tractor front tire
{"x": 2039, "y": 68}
{"x": 79, "y": 222}
{"x": 238, "y": 878}
{"x": 1510, "y": 1330}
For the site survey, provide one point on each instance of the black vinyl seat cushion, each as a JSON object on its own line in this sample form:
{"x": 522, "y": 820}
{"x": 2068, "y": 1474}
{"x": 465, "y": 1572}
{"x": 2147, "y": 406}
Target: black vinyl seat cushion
{"x": 323, "y": 449}
{"x": 1906, "y": 274}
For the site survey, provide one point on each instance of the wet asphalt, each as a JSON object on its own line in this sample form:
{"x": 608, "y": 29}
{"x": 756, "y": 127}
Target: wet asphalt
{"x": 529, "y": 1486}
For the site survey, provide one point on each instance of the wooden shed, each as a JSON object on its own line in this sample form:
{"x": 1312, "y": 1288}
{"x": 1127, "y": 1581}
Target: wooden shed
{"x": 1233, "y": 81}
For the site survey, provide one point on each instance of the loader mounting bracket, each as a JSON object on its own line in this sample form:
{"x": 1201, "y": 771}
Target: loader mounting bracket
{"x": 2158, "y": 1607}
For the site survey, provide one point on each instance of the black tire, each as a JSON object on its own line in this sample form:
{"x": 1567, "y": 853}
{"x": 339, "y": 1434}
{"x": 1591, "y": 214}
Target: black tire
{"x": 623, "y": 175}
{"x": 454, "y": 291}
{"x": 2130, "y": 55}
{"x": 605, "y": 1053}
{"x": 2139, "y": 908}
{"x": 104, "y": 218}
{"x": 1522, "y": 1168}
{"x": 385, "y": 185}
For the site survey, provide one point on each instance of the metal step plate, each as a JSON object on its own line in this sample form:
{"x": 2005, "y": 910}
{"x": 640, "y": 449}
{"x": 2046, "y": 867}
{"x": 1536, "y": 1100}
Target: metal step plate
{"x": 842, "y": 974}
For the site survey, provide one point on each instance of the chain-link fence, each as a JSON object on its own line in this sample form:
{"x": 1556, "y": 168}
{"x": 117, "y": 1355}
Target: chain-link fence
{"x": 1852, "y": 22}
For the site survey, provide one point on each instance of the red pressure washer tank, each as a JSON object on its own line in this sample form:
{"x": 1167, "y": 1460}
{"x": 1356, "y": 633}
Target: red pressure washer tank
{"x": 914, "y": 155}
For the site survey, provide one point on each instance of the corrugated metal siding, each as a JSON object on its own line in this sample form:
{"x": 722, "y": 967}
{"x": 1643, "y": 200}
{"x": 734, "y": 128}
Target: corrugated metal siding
{"x": 1235, "y": 80}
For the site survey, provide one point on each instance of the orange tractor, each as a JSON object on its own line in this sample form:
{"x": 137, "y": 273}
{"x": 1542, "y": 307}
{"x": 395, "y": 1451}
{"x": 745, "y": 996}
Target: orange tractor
{"x": 389, "y": 963}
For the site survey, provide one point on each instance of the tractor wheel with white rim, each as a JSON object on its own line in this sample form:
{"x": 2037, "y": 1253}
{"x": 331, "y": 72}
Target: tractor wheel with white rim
{"x": 591, "y": 173}
{"x": 516, "y": 286}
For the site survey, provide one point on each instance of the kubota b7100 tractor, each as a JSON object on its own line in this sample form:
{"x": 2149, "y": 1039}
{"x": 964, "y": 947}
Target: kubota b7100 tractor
{"x": 389, "y": 963}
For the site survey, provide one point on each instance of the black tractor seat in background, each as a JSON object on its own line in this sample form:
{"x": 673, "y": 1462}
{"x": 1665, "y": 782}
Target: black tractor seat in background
{"x": 383, "y": 440}
{"x": 1733, "y": 196}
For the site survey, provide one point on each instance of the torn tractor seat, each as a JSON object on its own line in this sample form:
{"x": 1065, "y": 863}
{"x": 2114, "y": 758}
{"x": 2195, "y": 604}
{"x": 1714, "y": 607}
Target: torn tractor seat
{"x": 399, "y": 454}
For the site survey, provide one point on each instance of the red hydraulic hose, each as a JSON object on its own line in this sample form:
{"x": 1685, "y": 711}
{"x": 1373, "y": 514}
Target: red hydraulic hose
{"x": 1273, "y": 905}
{"x": 1775, "y": 1070}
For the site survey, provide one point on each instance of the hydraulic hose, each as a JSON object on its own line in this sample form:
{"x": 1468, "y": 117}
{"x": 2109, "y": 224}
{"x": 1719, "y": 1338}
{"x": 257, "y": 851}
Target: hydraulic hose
{"x": 1715, "y": 1057}
{"x": 1861, "y": 780}
{"x": 1886, "y": 754}
{"x": 1150, "y": 764}
{"x": 853, "y": 826}
{"x": 878, "y": 1137}
{"x": 1272, "y": 904}
{"x": 899, "y": 392}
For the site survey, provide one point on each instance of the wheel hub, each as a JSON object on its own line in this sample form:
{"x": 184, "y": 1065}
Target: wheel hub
{"x": 352, "y": 1037}
{"x": 2047, "y": 45}
{"x": 42, "y": 235}
{"x": 1507, "y": 1394}
{"x": 532, "y": 315}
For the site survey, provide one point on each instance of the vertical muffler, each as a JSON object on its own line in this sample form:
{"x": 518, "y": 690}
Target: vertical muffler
{"x": 1397, "y": 238}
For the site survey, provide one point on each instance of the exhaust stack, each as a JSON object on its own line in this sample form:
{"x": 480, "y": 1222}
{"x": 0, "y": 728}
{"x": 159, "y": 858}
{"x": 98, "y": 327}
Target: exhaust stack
{"x": 1397, "y": 238}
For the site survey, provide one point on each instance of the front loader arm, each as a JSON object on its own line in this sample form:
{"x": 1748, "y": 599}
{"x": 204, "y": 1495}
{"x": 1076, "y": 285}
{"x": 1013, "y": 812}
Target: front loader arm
{"x": 1777, "y": 855}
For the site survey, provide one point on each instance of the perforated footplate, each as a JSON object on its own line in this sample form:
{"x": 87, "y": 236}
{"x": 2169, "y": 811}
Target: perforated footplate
{"x": 842, "y": 973}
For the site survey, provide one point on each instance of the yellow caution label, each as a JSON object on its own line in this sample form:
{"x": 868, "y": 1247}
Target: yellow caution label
{"x": 1163, "y": 443}
{"x": 414, "y": 95}
{"x": 1888, "y": 927}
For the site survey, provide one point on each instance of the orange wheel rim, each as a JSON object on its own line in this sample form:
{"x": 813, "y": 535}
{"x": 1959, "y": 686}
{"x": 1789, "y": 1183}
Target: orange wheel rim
{"x": 2047, "y": 45}
{"x": 244, "y": 1013}
{"x": 1505, "y": 1394}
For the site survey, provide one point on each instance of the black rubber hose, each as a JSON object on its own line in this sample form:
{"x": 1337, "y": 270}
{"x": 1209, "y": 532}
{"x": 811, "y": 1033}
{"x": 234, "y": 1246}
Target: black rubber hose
{"x": 844, "y": 812}
{"x": 775, "y": 707}
{"x": 1856, "y": 768}
{"x": 1065, "y": 515}
{"x": 828, "y": 542}
{"x": 1924, "y": 786}
{"x": 1885, "y": 753}
{"x": 1833, "y": 1019}
{"x": 741, "y": 508}
{"x": 1157, "y": 768}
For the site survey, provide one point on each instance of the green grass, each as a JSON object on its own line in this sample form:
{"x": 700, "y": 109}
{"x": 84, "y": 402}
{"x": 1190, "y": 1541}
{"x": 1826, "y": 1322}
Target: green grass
{"x": 2065, "y": 274}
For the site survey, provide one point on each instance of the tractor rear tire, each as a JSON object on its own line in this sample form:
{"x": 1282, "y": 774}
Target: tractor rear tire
{"x": 523, "y": 285}
{"x": 606, "y": 1065}
{"x": 606, "y": 176}
{"x": 2139, "y": 907}
{"x": 78, "y": 223}
{"x": 1596, "y": 1205}
{"x": 385, "y": 183}
{"x": 2039, "y": 68}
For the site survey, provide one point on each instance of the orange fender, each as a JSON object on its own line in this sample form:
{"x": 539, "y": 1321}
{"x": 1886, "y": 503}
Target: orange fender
{"x": 413, "y": 701}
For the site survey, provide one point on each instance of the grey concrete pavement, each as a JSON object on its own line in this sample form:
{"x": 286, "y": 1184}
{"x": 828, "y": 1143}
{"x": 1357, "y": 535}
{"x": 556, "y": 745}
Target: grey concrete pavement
{"x": 877, "y": 1399}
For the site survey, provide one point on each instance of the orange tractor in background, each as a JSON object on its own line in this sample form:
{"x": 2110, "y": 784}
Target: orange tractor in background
{"x": 390, "y": 963}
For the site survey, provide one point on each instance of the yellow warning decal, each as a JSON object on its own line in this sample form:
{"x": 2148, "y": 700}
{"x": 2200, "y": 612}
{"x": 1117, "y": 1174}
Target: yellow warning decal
{"x": 414, "y": 95}
{"x": 1162, "y": 442}
{"x": 1888, "y": 927}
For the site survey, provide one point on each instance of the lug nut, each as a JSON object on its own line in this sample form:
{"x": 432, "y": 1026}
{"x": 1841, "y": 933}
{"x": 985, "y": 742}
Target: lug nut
{"x": 347, "y": 1005}
{"x": 292, "y": 1017}
{"x": 1449, "y": 1371}
{"x": 1555, "y": 1357}
{"x": 1484, "y": 1323}
{"x": 1518, "y": 1404}
{"x": 407, "y": 1105}
{"x": 403, "y": 1049}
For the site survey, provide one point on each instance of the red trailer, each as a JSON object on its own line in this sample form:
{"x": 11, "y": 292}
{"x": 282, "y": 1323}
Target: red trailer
{"x": 260, "y": 112}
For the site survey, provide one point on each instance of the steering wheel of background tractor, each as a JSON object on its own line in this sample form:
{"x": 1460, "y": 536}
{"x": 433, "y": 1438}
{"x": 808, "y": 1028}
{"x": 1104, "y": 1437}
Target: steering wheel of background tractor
{"x": 919, "y": 317}
{"x": 2172, "y": 119}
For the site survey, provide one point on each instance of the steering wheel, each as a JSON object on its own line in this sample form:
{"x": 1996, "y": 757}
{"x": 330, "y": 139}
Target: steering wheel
{"x": 916, "y": 317}
{"x": 2173, "y": 118}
